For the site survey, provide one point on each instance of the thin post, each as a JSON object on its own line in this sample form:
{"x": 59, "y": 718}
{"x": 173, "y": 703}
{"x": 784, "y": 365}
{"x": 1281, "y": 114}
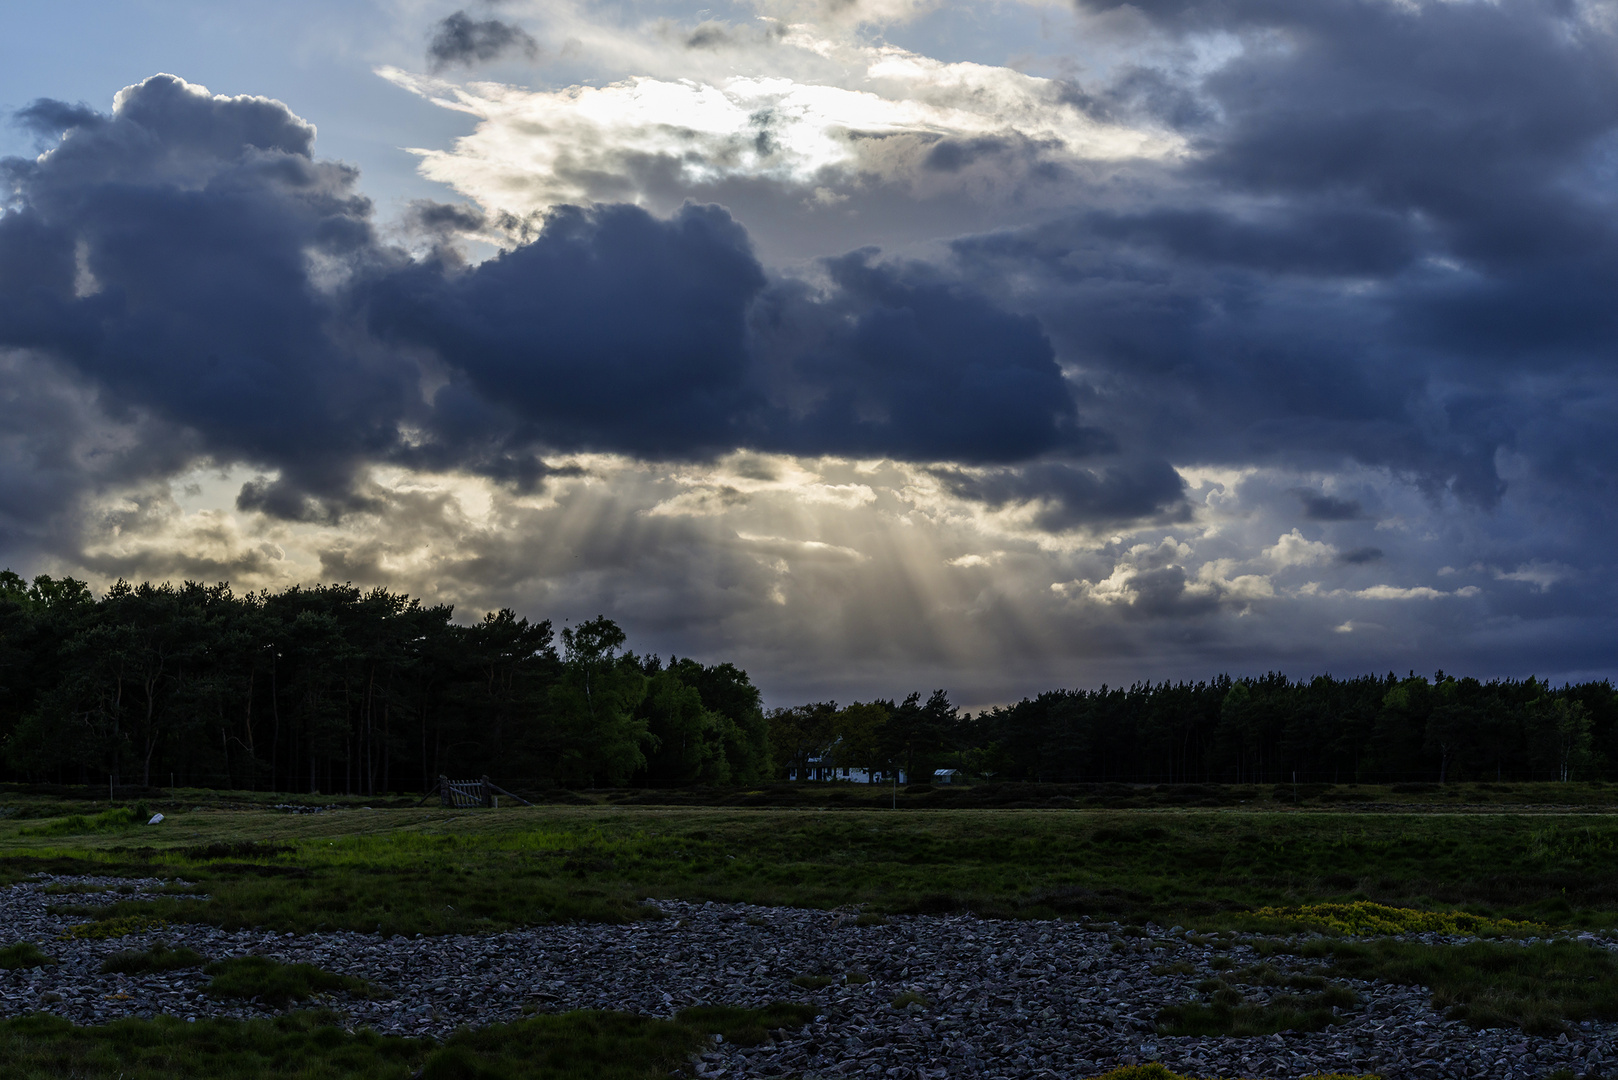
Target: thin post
{"x": 488, "y": 794}
{"x": 443, "y": 791}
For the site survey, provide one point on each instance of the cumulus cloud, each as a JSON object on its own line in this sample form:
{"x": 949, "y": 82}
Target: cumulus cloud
{"x": 206, "y": 225}
{"x": 1294, "y": 549}
{"x": 242, "y": 294}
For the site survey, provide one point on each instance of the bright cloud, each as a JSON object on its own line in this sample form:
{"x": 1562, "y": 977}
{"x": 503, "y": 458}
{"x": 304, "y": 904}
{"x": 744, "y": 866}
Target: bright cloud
{"x": 905, "y": 119}
{"x": 1294, "y": 550}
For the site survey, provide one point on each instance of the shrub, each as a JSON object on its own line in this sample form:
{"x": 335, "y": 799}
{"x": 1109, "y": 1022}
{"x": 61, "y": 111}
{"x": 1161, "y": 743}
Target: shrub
{"x": 275, "y": 983}
{"x": 24, "y": 954}
{"x": 119, "y": 926}
{"x": 158, "y": 958}
{"x": 1539, "y": 987}
{"x": 1363, "y": 918}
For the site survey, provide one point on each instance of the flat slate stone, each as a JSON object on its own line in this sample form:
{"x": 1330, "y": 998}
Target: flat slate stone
{"x": 1021, "y": 1000}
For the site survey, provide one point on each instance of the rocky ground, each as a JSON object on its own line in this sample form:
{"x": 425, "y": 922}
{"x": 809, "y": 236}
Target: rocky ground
{"x": 996, "y": 999}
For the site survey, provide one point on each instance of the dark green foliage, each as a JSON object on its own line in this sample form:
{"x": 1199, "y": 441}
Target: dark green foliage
{"x": 333, "y": 689}
{"x": 706, "y": 724}
{"x": 158, "y": 958}
{"x": 24, "y": 954}
{"x": 275, "y": 983}
{"x": 315, "y": 1046}
{"x": 1271, "y": 729}
{"x": 1538, "y": 987}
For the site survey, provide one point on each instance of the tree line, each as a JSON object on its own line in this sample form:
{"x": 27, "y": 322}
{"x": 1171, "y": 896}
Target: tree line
{"x": 1271, "y": 729}
{"x": 337, "y": 689}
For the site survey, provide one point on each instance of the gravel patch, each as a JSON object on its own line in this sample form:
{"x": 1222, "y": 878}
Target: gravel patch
{"x": 1003, "y": 999}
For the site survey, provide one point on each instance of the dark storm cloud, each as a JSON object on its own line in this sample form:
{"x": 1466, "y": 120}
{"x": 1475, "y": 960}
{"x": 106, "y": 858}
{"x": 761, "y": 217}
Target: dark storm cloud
{"x": 461, "y": 39}
{"x": 1392, "y": 214}
{"x": 191, "y": 257}
{"x": 612, "y": 330}
{"x": 1068, "y": 495}
{"x": 953, "y": 155}
{"x": 1360, "y": 556}
{"x": 896, "y": 361}
{"x": 1140, "y": 93}
{"x": 1321, "y": 507}
{"x": 1328, "y": 240}
{"x": 443, "y": 220}
{"x": 615, "y": 330}
{"x": 166, "y": 251}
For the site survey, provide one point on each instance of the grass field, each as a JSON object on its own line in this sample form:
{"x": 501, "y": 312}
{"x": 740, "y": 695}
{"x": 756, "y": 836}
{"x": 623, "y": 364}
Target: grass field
{"x": 403, "y": 869}
{"x": 431, "y": 870}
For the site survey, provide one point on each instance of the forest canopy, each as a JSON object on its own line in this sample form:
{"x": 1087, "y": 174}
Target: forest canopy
{"x": 333, "y": 688}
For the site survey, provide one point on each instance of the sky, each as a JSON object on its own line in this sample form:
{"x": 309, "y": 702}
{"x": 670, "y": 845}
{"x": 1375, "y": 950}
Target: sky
{"x": 872, "y": 345}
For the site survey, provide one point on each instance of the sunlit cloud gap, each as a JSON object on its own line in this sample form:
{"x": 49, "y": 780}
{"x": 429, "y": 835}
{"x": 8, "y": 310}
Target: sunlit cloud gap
{"x": 534, "y": 149}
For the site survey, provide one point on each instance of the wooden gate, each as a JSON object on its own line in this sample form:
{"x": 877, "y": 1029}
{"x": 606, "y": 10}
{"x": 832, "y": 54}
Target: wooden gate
{"x": 466, "y": 794}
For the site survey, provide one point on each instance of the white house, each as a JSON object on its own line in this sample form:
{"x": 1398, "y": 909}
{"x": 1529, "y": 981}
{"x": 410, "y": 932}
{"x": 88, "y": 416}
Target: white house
{"x": 823, "y": 768}
{"x": 947, "y": 776}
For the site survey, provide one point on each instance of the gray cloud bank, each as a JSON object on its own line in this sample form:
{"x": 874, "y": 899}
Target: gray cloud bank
{"x": 1390, "y": 250}
{"x": 189, "y": 255}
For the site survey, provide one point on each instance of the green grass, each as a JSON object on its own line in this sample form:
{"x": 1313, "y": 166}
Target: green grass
{"x": 433, "y": 871}
{"x": 159, "y": 958}
{"x": 1229, "y": 1011}
{"x": 118, "y": 819}
{"x": 406, "y": 870}
{"x": 275, "y": 983}
{"x": 24, "y": 954}
{"x": 315, "y": 1046}
{"x": 1539, "y": 987}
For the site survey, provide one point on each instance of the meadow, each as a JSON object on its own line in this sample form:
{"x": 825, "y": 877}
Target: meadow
{"x": 1499, "y": 864}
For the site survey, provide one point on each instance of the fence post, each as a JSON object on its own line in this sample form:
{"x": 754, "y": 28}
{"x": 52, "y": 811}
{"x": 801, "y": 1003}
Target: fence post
{"x": 488, "y": 794}
{"x": 443, "y": 791}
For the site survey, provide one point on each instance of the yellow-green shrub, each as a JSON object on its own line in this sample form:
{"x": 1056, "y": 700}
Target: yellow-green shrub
{"x": 1366, "y": 918}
